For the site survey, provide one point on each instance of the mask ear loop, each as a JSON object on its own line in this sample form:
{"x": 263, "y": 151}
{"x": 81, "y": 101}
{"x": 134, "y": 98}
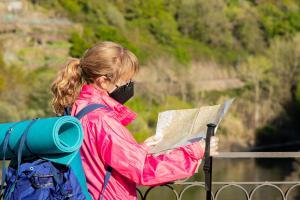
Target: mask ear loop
{"x": 130, "y": 82}
{"x": 126, "y": 84}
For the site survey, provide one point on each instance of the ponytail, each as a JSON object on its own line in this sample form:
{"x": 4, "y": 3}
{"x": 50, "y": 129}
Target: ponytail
{"x": 67, "y": 86}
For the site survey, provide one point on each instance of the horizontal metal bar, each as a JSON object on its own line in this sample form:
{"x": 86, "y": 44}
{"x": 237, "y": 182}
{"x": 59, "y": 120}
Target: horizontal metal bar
{"x": 240, "y": 183}
{"x": 258, "y": 155}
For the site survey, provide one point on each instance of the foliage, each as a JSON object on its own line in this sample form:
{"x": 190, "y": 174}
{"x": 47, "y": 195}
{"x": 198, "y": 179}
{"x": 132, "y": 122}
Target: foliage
{"x": 259, "y": 40}
{"x": 39, "y": 96}
{"x": 25, "y": 94}
{"x": 78, "y": 45}
{"x": 227, "y": 30}
{"x": 279, "y": 19}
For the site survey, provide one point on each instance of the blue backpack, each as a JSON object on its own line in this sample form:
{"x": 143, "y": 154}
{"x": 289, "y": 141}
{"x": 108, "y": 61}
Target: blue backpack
{"x": 36, "y": 178}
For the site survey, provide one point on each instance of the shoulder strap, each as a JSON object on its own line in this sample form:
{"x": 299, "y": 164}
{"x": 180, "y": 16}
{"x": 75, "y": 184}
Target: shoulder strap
{"x": 67, "y": 111}
{"x": 80, "y": 114}
{"x": 105, "y": 183}
{"x": 87, "y": 109}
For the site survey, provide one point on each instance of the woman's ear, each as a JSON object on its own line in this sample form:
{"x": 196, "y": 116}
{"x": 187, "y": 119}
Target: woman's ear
{"x": 103, "y": 82}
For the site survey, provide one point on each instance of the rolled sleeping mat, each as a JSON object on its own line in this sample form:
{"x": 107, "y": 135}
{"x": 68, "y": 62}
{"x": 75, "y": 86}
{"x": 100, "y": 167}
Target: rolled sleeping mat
{"x": 55, "y": 139}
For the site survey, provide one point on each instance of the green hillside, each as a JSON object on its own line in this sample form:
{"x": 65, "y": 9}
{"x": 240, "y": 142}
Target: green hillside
{"x": 244, "y": 49}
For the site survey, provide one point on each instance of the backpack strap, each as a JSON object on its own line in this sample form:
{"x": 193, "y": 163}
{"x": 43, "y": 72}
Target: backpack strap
{"x": 89, "y": 108}
{"x": 22, "y": 142}
{"x": 106, "y": 179}
{"x": 4, "y": 149}
{"x": 19, "y": 158}
{"x": 67, "y": 111}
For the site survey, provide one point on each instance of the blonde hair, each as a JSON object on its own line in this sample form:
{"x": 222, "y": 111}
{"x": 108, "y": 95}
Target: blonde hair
{"x": 104, "y": 59}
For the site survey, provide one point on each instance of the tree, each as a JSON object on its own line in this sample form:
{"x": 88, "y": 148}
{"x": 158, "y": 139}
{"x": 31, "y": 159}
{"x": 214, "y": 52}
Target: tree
{"x": 206, "y": 21}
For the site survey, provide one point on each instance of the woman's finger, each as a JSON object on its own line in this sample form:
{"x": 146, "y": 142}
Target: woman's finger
{"x": 214, "y": 144}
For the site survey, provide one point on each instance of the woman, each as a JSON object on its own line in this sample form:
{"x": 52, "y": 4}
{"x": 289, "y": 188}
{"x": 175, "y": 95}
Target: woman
{"x": 103, "y": 75}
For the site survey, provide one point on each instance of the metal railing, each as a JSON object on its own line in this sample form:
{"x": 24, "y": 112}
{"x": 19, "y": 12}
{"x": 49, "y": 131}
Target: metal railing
{"x": 248, "y": 189}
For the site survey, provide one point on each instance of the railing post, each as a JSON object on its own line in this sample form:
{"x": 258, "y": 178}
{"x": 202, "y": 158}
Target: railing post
{"x": 207, "y": 167}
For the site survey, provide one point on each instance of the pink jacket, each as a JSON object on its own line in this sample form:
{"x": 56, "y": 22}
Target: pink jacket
{"x": 108, "y": 142}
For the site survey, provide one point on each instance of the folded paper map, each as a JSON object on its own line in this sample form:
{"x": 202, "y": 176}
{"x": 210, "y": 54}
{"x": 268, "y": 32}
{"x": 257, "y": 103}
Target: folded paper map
{"x": 177, "y": 128}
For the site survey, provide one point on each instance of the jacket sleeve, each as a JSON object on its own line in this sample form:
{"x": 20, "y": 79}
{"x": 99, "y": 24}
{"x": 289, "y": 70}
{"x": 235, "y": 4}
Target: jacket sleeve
{"x": 119, "y": 149}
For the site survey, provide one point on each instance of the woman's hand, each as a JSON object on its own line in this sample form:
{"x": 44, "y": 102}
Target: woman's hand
{"x": 214, "y": 145}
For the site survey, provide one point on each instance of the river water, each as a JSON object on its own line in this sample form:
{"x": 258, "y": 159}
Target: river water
{"x": 239, "y": 170}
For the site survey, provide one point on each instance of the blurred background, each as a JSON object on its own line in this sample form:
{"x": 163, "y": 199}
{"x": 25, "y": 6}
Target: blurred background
{"x": 192, "y": 53}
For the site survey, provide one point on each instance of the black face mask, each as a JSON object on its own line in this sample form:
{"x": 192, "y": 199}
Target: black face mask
{"x": 123, "y": 93}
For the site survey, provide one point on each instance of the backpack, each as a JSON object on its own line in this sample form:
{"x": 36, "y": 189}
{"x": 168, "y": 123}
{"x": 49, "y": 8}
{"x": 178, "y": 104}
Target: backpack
{"x": 36, "y": 178}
